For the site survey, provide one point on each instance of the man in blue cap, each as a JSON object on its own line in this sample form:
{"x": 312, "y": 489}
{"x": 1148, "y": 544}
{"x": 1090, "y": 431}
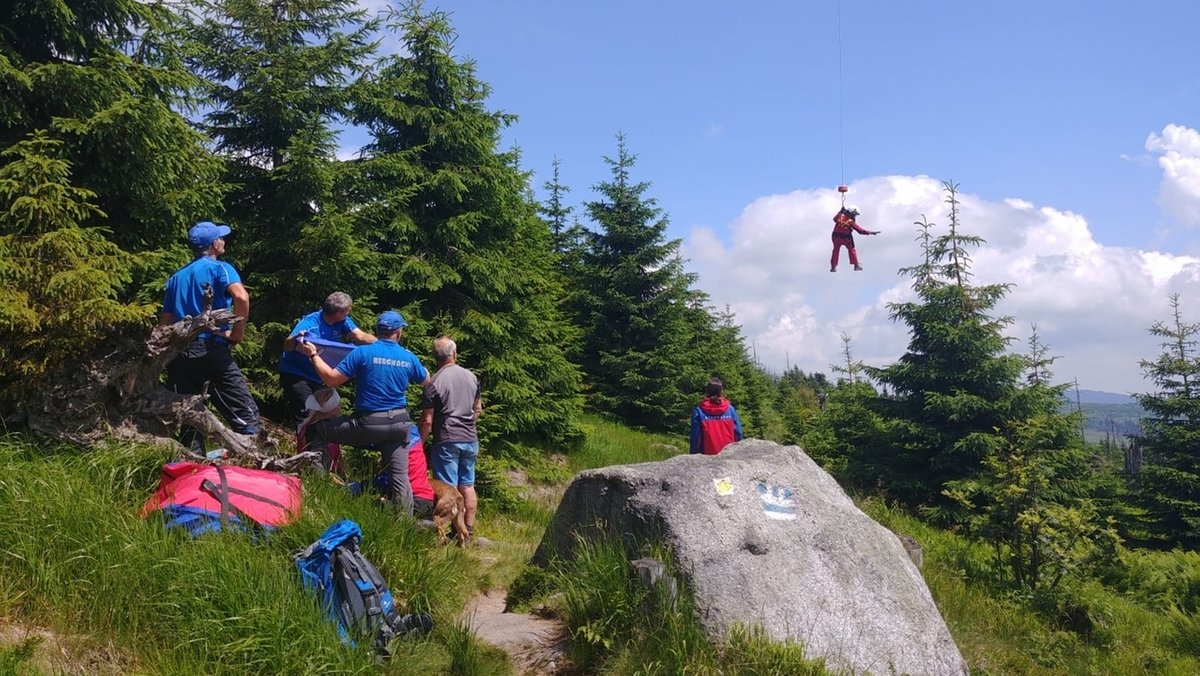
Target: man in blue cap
{"x": 332, "y": 322}
{"x": 208, "y": 360}
{"x": 382, "y": 372}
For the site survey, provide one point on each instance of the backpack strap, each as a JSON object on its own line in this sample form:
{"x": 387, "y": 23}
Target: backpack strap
{"x": 224, "y": 490}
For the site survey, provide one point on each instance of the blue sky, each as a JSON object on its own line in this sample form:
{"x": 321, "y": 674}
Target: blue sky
{"x": 1070, "y": 127}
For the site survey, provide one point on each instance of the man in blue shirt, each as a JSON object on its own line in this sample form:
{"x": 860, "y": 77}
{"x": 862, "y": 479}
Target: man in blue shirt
{"x": 208, "y": 360}
{"x": 382, "y": 372}
{"x": 332, "y": 322}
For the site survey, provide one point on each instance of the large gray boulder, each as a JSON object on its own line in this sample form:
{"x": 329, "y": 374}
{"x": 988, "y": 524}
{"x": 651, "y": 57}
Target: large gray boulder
{"x": 763, "y": 536}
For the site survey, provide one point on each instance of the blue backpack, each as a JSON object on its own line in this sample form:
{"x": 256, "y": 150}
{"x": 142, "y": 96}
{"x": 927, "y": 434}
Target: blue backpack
{"x": 352, "y": 591}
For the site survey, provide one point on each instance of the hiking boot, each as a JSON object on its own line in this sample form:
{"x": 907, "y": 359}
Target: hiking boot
{"x": 857, "y": 267}
{"x": 833, "y": 268}
{"x": 426, "y": 524}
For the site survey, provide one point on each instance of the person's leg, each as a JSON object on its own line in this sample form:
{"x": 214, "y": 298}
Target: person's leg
{"x": 296, "y": 391}
{"x": 418, "y": 476}
{"x": 393, "y": 446}
{"x": 340, "y": 429}
{"x": 467, "y": 453}
{"x": 837, "y": 249}
{"x": 186, "y": 375}
{"x": 230, "y": 393}
{"x": 445, "y": 463}
{"x": 853, "y": 254}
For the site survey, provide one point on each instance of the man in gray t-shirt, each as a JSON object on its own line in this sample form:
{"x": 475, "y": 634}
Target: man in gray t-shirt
{"x": 451, "y": 405}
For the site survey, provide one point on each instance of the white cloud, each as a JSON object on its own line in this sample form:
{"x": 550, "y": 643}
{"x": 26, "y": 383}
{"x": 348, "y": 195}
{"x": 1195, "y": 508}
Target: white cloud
{"x": 1178, "y": 150}
{"x": 1092, "y": 303}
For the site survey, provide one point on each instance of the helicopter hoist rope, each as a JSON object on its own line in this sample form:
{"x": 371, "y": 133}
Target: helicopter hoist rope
{"x": 842, "y": 187}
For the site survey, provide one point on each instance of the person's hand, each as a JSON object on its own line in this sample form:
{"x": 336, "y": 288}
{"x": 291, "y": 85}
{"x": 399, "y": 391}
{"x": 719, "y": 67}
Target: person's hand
{"x": 307, "y": 349}
{"x": 875, "y": 232}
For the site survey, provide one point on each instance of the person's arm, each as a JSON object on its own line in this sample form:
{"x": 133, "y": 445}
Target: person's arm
{"x": 695, "y": 441}
{"x": 737, "y": 424}
{"x": 289, "y": 343}
{"x": 241, "y": 308}
{"x": 426, "y": 424}
{"x": 360, "y": 337}
{"x": 329, "y": 375}
{"x": 859, "y": 229}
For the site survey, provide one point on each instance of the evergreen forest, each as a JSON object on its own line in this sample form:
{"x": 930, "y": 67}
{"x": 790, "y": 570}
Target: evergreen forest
{"x": 124, "y": 122}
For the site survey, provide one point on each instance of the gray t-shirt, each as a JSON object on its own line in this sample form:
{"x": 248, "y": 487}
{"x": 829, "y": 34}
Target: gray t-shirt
{"x": 452, "y": 394}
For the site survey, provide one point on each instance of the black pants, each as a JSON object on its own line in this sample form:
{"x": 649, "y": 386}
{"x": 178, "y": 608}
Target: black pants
{"x": 387, "y": 433}
{"x": 209, "y": 362}
{"x": 296, "y": 391}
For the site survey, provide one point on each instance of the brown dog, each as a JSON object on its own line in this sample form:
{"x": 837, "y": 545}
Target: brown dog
{"x": 448, "y": 507}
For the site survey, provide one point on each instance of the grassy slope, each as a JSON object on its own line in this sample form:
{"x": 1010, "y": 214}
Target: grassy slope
{"x": 75, "y": 558}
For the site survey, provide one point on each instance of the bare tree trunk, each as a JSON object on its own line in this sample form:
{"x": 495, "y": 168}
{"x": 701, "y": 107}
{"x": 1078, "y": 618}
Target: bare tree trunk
{"x": 114, "y": 391}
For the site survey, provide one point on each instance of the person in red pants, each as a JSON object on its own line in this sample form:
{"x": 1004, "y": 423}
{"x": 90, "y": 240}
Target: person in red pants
{"x": 844, "y": 227}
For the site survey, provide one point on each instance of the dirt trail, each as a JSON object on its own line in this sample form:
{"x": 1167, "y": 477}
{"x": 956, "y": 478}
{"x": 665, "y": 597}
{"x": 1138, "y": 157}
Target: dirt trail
{"x": 535, "y": 644}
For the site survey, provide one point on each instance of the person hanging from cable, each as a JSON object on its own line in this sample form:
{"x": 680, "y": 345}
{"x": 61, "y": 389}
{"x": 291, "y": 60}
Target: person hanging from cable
{"x": 844, "y": 227}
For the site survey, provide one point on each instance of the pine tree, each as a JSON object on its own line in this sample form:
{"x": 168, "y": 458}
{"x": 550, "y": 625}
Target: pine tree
{"x": 1032, "y": 500}
{"x": 60, "y": 282}
{"x": 104, "y": 80}
{"x": 452, "y": 223}
{"x": 279, "y": 81}
{"x": 1168, "y": 487}
{"x": 635, "y": 306}
{"x": 954, "y": 387}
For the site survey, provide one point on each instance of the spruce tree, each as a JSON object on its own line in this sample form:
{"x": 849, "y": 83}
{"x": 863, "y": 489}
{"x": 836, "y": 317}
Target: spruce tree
{"x": 98, "y": 85}
{"x": 452, "y": 223}
{"x": 635, "y": 306}
{"x": 1032, "y": 500}
{"x": 955, "y": 386}
{"x": 60, "y": 282}
{"x": 279, "y": 76}
{"x": 1168, "y": 486}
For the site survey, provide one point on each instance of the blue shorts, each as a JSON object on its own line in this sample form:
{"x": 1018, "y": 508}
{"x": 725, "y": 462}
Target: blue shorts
{"x": 454, "y": 462}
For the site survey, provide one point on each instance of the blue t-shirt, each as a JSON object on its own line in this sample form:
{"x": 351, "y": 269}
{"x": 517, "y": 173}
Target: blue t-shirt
{"x": 184, "y": 296}
{"x": 296, "y": 364}
{"x": 381, "y": 372}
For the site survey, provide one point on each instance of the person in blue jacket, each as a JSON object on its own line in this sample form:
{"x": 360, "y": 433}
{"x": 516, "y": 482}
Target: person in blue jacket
{"x": 382, "y": 372}
{"x": 332, "y": 322}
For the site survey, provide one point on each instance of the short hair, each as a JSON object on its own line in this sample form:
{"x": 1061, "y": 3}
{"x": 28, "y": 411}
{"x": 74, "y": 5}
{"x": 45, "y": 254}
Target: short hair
{"x": 336, "y": 302}
{"x": 444, "y": 348}
{"x": 715, "y": 388}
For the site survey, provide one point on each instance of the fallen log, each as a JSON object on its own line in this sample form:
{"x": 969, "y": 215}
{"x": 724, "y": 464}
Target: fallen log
{"x": 115, "y": 392}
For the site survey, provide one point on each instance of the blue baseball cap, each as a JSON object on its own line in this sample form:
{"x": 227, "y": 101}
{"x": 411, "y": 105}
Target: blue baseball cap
{"x": 390, "y": 321}
{"x": 203, "y": 234}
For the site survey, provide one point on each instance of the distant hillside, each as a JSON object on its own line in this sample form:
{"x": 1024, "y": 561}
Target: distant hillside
{"x": 1105, "y": 412}
{"x": 1098, "y": 397}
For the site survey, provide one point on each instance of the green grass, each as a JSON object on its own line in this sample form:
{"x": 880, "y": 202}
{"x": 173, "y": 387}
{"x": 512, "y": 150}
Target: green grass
{"x": 618, "y": 626}
{"x": 76, "y": 558}
{"x": 1003, "y": 633}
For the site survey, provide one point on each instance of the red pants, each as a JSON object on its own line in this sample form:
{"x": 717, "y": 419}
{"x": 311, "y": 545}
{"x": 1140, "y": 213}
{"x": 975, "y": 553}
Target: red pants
{"x": 838, "y": 243}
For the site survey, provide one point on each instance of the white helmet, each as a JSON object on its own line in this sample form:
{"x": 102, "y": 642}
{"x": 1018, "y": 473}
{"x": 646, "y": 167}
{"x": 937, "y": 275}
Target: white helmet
{"x": 852, "y": 211}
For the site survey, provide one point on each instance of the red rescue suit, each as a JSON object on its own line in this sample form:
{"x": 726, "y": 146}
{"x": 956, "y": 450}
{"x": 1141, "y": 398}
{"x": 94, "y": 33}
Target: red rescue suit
{"x": 844, "y": 227}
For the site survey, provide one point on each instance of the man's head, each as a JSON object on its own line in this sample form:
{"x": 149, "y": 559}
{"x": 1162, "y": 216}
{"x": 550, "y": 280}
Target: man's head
{"x": 715, "y": 388}
{"x": 445, "y": 350}
{"x": 852, "y": 212}
{"x": 208, "y": 238}
{"x": 336, "y": 307}
{"x": 390, "y": 324}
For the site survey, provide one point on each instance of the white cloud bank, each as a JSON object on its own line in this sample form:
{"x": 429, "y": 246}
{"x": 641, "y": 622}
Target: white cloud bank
{"x": 1092, "y": 303}
{"x": 1178, "y": 149}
